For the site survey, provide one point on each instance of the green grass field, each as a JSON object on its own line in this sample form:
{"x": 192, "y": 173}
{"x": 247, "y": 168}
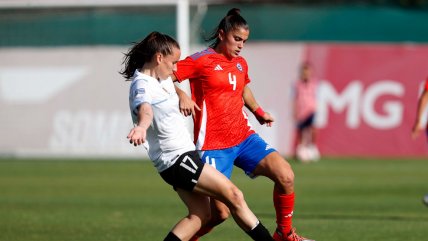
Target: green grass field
{"x": 91, "y": 200}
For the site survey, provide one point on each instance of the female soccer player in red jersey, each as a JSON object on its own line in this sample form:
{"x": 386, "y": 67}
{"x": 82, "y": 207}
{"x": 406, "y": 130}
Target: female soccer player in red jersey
{"x": 219, "y": 83}
{"x": 422, "y": 105}
{"x": 160, "y": 127}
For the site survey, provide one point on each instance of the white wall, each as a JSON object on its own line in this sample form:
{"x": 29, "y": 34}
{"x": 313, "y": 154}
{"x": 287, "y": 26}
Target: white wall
{"x": 73, "y": 102}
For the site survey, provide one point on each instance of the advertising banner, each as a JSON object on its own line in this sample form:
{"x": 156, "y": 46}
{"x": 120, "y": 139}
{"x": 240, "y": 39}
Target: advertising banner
{"x": 368, "y": 98}
{"x": 72, "y": 102}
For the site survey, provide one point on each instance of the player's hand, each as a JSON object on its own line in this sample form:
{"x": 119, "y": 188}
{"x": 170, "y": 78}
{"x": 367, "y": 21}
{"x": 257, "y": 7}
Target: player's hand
{"x": 416, "y": 130}
{"x": 137, "y": 136}
{"x": 187, "y": 105}
{"x": 265, "y": 119}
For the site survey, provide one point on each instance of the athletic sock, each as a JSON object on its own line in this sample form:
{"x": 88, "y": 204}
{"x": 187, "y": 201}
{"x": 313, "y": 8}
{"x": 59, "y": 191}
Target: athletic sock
{"x": 260, "y": 233}
{"x": 171, "y": 237}
{"x": 284, "y": 205}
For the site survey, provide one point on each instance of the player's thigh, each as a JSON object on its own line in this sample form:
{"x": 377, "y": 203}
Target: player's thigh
{"x": 196, "y": 203}
{"x": 214, "y": 184}
{"x": 276, "y": 168}
{"x": 251, "y": 152}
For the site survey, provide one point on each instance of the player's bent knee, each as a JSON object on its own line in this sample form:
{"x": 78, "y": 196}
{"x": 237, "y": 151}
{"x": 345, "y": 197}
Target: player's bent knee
{"x": 286, "y": 179}
{"x": 221, "y": 213}
{"x": 284, "y": 176}
{"x": 285, "y": 183}
{"x": 236, "y": 198}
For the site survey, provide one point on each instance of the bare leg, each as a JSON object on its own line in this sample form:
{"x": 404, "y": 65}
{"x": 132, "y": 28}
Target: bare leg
{"x": 216, "y": 185}
{"x": 199, "y": 214}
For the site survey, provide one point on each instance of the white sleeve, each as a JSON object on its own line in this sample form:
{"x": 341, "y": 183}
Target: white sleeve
{"x": 140, "y": 93}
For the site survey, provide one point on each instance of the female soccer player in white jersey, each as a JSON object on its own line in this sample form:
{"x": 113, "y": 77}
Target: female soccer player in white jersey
{"x": 219, "y": 83}
{"x": 160, "y": 127}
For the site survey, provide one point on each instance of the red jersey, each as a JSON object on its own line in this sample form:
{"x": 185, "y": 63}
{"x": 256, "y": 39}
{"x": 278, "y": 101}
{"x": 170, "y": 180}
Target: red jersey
{"x": 217, "y": 84}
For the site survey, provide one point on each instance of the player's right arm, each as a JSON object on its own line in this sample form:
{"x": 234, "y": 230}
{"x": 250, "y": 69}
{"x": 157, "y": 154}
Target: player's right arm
{"x": 251, "y": 103}
{"x": 137, "y": 135}
{"x": 422, "y": 105}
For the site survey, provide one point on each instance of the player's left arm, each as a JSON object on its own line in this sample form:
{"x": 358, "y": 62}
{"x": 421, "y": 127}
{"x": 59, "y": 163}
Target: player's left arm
{"x": 255, "y": 108}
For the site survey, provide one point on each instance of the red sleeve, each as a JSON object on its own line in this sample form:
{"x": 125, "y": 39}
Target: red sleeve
{"x": 426, "y": 85}
{"x": 186, "y": 69}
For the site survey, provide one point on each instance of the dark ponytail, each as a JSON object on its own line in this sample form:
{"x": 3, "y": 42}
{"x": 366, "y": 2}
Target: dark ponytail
{"x": 233, "y": 20}
{"x": 143, "y": 52}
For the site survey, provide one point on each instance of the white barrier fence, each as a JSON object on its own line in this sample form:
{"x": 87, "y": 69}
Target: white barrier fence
{"x": 73, "y": 102}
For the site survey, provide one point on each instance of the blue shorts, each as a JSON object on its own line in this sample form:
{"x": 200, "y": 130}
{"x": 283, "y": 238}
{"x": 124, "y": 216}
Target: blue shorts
{"x": 247, "y": 155}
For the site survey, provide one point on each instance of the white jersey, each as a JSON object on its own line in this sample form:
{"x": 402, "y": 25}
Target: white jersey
{"x": 167, "y": 137}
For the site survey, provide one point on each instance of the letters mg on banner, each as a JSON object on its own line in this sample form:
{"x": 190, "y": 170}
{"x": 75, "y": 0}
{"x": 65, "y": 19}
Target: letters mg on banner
{"x": 368, "y": 98}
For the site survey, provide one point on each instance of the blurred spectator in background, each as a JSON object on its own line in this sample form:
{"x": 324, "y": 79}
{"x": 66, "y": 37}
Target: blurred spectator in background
{"x": 305, "y": 103}
{"x": 422, "y": 106}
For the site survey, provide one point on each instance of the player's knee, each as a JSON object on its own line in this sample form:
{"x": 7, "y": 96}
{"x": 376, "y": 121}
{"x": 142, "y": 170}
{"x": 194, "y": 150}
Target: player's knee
{"x": 236, "y": 198}
{"x": 285, "y": 177}
{"x": 222, "y": 213}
